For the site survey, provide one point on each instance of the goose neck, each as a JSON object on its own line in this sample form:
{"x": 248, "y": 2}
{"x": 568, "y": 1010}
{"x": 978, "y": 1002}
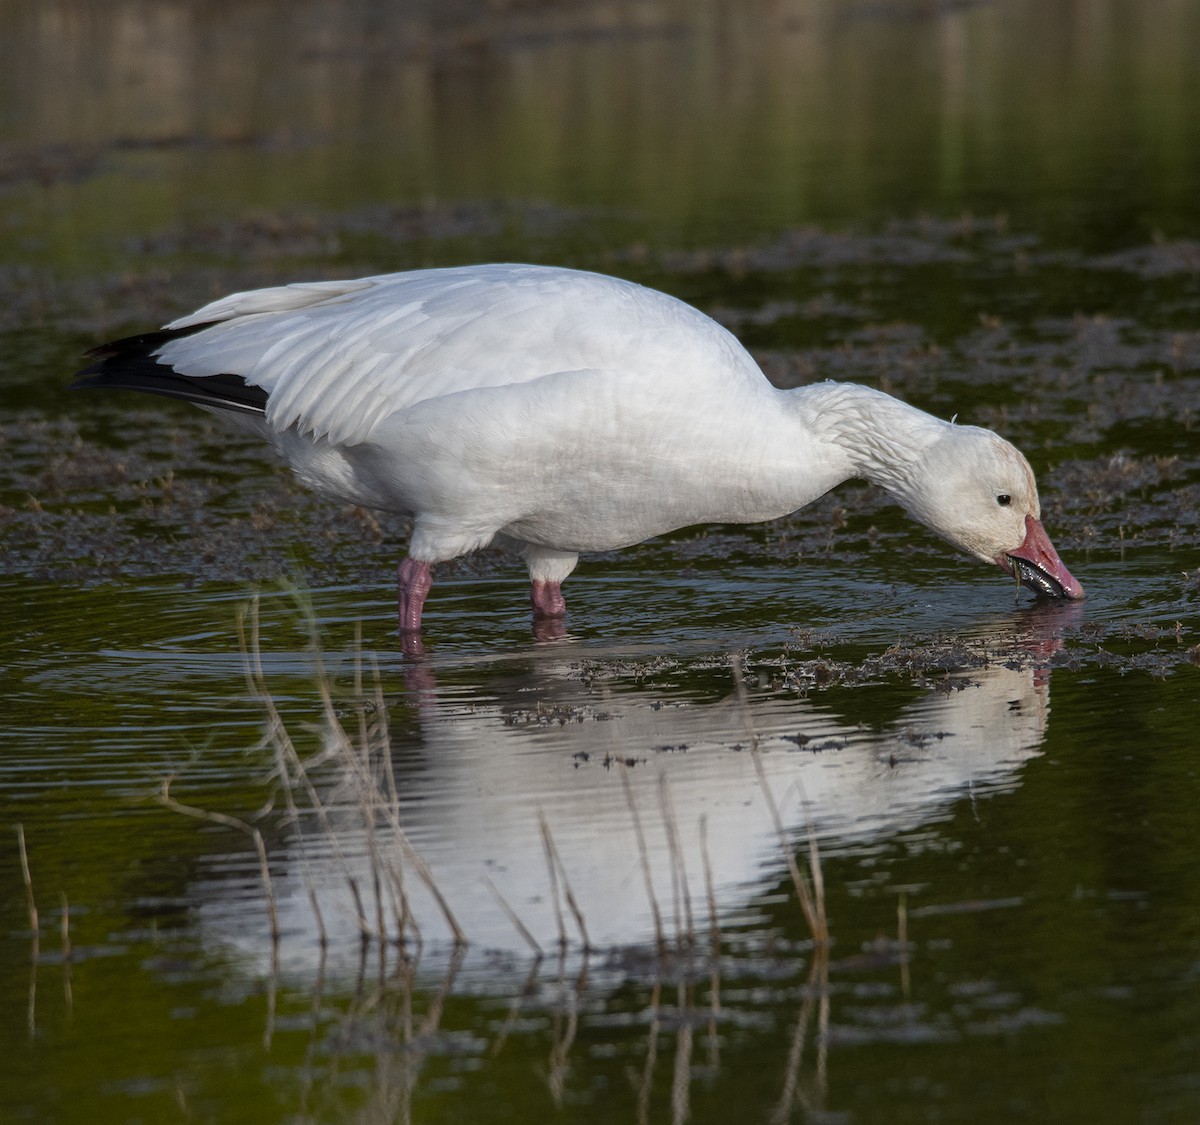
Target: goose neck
{"x": 884, "y": 439}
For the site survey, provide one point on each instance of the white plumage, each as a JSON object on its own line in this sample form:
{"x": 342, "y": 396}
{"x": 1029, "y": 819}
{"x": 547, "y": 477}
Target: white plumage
{"x": 555, "y": 411}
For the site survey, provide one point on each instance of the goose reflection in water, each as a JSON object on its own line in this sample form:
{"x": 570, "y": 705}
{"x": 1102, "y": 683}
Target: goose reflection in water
{"x": 642, "y": 794}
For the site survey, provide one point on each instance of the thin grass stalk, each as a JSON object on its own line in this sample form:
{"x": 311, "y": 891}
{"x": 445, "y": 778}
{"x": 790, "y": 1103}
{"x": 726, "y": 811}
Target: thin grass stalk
{"x": 647, "y": 1082}
{"x": 812, "y": 904}
{"x": 555, "y": 861}
{"x": 167, "y": 801}
{"x": 424, "y": 874}
{"x": 255, "y": 676}
{"x": 404, "y": 916}
{"x": 553, "y": 870}
{"x": 322, "y": 933}
{"x": 643, "y": 852}
{"x": 679, "y": 880}
{"x": 291, "y": 766}
{"x": 359, "y": 761}
{"x": 287, "y": 757}
{"x": 812, "y": 907}
{"x": 27, "y": 879}
{"x": 513, "y": 917}
{"x": 644, "y": 856}
{"x": 358, "y": 756}
{"x": 576, "y": 912}
{"x": 815, "y": 871}
{"x": 35, "y": 943}
{"x": 314, "y": 1042}
{"x": 564, "y": 1034}
{"x": 367, "y": 801}
{"x": 714, "y": 923}
{"x": 426, "y": 877}
{"x": 682, "y": 1072}
{"x": 514, "y": 1009}
{"x": 437, "y": 1006}
{"x": 331, "y": 834}
{"x": 272, "y": 997}
{"x": 68, "y": 994}
{"x": 710, "y": 893}
{"x": 791, "y": 1073}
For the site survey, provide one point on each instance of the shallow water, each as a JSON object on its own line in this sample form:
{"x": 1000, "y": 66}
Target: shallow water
{"x": 986, "y": 209}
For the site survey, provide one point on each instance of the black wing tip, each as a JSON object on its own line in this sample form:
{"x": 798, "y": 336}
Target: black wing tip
{"x": 144, "y": 343}
{"x": 132, "y": 364}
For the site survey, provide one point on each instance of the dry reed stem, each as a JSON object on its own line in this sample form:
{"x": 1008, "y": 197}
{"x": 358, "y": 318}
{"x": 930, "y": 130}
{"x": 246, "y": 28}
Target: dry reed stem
{"x": 680, "y": 890}
{"x": 682, "y": 1072}
{"x": 279, "y": 741}
{"x": 35, "y": 943}
{"x": 556, "y": 865}
{"x": 291, "y": 768}
{"x": 281, "y": 744}
{"x": 371, "y": 798}
{"x": 812, "y": 898}
{"x": 714, "y": 982}
{"x": 65, "y": 925}
{"x": 167, "y": 801}
{"x": 68, "y": 994}
{"x": 413, "y": 1059}
{"x": 512, "y": 916}
{"x": 433, "y": 1014}
{"x": 710, "y": 893}
{"x": 295, "y": 763}
{"x": 322, "y": 933}
{"x": 398, "y": 1072}
{"x": 272, "y": 997}
{"x": 645, "y": 1086}
{"x": 554, "y": 898}
{"x": 644, "y": 855}
{"x": 401, "y": 908}
{"x": 822, "y": 958}
{"x": 660, "y": 938}
{"x": 27, "y": 878}
{"x": 576, "y": 913}
{"x": 514, "y": 1009}
{"x": 816, "y": 986}
{"x": 360, "y": 757}
{"x": 426, "y": 877}
{"x": 563, "y": 1039}
{"x": 816, "y": 873}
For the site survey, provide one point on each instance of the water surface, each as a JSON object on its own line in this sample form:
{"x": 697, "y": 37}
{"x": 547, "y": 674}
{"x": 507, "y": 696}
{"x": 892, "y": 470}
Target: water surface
{"x": 986, "y": 209}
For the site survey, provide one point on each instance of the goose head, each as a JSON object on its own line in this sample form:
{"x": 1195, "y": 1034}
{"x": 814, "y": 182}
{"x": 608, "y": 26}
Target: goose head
{"x": 978, "y": 492}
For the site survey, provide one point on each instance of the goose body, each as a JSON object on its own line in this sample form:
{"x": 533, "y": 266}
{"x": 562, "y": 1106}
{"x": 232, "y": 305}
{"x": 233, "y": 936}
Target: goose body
{"x": 554, "y": 411}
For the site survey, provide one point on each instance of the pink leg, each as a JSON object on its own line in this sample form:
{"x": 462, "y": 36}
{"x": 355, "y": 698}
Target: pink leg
{"x": 547, "y": 599}
{"x": 412, "y": 584}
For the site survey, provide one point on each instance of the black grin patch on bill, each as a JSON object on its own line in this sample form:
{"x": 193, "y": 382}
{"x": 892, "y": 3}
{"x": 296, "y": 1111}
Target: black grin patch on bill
{"x": 1034, "y": 578}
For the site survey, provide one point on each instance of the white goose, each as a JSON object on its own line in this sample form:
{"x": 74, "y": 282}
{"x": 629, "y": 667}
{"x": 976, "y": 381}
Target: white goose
{"x": 553, "y": 411}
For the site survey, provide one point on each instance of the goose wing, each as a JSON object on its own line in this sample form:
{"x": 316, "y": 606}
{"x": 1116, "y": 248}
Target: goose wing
{"x": 336, "y": 358}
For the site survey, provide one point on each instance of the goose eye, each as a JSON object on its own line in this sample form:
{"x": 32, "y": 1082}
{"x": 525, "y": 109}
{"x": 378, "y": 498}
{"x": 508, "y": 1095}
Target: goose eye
{"x": 1004, "y": 499}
